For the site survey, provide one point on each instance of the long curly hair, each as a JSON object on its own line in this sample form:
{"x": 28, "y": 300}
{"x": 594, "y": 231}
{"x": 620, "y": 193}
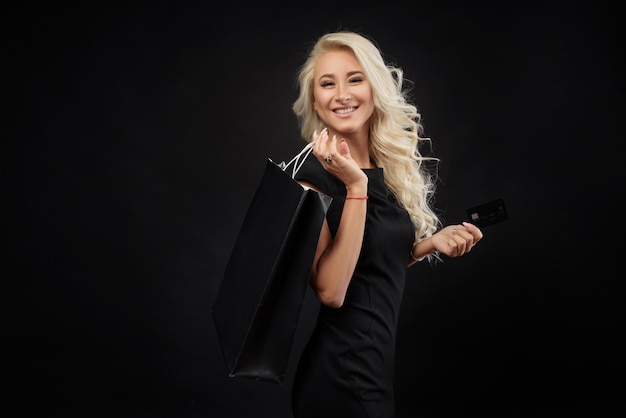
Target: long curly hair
{"x": 395, "y": 127}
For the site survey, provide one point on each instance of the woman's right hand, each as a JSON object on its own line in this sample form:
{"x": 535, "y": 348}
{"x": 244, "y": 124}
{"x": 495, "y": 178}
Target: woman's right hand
{"x": 341, "y": 164}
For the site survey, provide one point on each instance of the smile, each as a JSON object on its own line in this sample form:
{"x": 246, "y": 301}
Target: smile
{"x": 345, "y": 110}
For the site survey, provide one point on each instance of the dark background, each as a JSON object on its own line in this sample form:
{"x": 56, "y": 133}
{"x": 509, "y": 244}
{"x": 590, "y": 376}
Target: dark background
{"x": 136, "y": 135}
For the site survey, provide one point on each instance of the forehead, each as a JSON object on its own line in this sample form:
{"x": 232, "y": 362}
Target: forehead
{"x": 338, "y": 62}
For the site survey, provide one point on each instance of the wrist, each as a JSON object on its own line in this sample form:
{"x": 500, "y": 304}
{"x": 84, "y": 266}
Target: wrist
{"x": 421, "y": 249}
{"x": 360, "y": 190}
{"x": 356, "y": 192}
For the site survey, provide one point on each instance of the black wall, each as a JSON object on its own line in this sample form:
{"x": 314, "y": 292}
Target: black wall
{"x": 136, "y": 135}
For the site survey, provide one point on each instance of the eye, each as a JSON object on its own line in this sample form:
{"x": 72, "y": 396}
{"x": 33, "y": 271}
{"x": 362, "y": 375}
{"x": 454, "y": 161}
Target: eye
{"x": 327, "y": 83}
{"x": 356, "y": 80}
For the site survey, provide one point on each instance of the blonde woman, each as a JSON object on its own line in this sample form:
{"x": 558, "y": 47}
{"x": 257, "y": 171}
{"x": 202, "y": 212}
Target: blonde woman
{"x": 366, "y": 139}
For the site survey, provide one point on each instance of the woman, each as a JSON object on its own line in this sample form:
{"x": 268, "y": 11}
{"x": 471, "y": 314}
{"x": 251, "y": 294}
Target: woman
{"x": 366, "y": 137}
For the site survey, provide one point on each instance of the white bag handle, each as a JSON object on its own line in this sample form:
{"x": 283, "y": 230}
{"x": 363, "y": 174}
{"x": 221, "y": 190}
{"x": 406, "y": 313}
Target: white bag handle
{"x": 298, "y": 160}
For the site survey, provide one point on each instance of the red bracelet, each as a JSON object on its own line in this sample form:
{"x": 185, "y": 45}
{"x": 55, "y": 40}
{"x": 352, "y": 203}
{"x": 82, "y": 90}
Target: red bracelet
{"x": 357, "y": 197}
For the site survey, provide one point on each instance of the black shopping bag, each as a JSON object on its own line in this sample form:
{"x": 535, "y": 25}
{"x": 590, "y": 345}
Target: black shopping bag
{"x": 261, "y": 295}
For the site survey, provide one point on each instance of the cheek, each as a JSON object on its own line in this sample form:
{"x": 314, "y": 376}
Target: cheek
{"x": 321, "y": 98}
{"x": 367, "y": 94}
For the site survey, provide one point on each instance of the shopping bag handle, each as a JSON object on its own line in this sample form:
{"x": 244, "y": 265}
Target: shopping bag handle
{"x": 298, "y": 160}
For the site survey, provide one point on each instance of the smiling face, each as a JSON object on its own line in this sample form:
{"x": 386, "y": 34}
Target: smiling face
{"x": 342, "y": 95}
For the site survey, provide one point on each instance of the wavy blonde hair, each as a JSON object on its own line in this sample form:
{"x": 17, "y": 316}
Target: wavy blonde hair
{"x": 395, "y": 126}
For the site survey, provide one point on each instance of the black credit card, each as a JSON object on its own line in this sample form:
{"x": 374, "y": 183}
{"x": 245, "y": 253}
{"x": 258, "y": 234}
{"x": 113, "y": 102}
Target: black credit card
{"x": 488, "y": 213}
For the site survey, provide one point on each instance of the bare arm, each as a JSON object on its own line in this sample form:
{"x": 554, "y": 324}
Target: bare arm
{"x": 335, "y": 259}
{"x": 453, "y": 241}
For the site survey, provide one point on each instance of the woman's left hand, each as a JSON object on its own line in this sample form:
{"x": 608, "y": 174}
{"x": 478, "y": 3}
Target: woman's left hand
{"x": 456, "y": 240}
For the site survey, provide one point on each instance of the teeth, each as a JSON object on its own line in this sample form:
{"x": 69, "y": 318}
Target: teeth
{"x": 344, "y": 111}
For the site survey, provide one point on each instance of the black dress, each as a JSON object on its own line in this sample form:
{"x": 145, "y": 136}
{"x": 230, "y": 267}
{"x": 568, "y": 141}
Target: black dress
{"x": 347, "y": 367}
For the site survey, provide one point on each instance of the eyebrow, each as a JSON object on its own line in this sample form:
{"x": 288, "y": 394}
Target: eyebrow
{"x": 350, "y": 73}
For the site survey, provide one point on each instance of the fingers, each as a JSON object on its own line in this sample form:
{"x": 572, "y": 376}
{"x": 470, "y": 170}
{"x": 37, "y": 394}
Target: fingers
{"x": 458, "y": 246}
{"x": 344, "y": 149}
{"x": 324, "y": 148}
{"x": 323, "y": 145}
{"x": 462, "y": 238}
{"x": 474, "y": 230}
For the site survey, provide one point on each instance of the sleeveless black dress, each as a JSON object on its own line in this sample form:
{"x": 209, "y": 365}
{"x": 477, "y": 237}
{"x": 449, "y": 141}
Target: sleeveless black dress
{"x": 347, "y": 367}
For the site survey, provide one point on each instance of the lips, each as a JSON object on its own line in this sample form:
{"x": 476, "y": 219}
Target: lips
{"x": 344, "y": 110}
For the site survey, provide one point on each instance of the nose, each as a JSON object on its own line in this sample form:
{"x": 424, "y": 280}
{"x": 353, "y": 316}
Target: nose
{"x": 343, "y": 94}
